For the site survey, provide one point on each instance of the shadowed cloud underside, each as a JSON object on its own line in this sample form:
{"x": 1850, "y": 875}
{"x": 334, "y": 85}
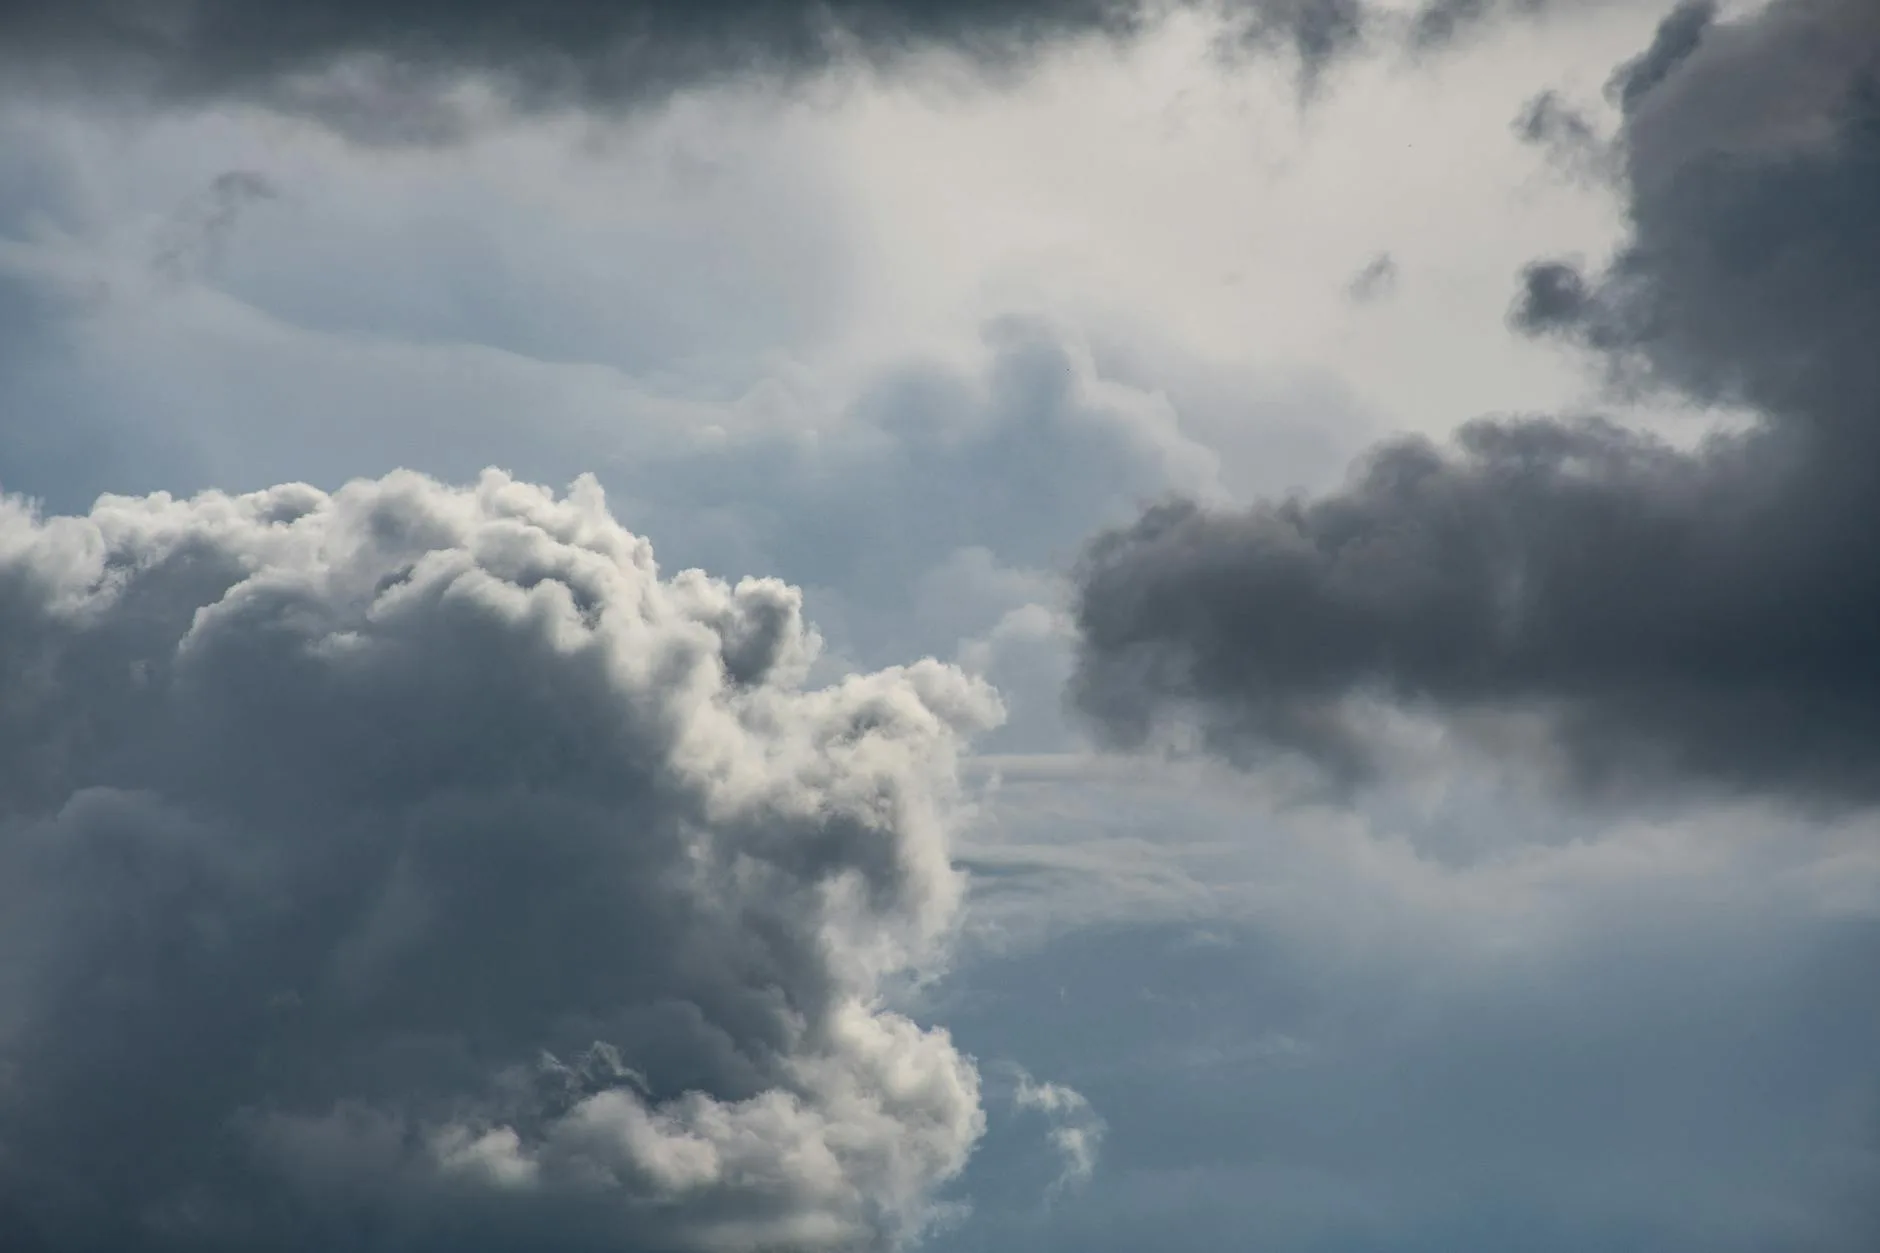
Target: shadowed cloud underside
{"x": 1704, "y": 615}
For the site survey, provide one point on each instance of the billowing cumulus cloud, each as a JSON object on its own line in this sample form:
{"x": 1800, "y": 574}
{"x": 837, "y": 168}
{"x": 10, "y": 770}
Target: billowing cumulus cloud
{"x": 417, "y": 868}
{"x": 1662, "y": 613}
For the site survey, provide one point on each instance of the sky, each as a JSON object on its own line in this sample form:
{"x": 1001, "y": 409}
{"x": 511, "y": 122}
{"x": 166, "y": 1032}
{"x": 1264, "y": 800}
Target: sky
{"x": 1065, "y": 626}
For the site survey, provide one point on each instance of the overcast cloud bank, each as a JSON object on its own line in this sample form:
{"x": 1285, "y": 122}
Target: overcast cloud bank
{"x": 1665, "y": 615}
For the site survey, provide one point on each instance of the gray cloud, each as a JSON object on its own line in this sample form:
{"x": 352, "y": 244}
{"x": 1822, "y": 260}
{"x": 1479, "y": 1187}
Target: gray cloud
{"x": 196, "y": 237}
{"x": 395, "y": 56}
{"x": 1568, "y": 137}
{"x": 1676, "y": 39}
{"x": 1375, "y": 281}
{"x": 926, "y": 512}
{"x": 1077, "y": 1129}
{"x": 1701, "y": 615}
{"x": 391, "y": 71}
{"x": 414, "y": 868}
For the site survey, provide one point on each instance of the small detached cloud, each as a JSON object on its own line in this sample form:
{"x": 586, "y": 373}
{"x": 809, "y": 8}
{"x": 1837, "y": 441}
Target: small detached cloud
{"x": 1375, "y": 281}
{"x": 1077, "y": 1130}
{"x": 404, "y": 71}
{"x": 410, "y": 71}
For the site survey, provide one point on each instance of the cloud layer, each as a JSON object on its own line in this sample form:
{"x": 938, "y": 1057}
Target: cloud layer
{"x": 413, "y": 71}
{"x": 388, "y": 68}
{"x": 415, "y": 868}
{"x": 1445, "y": 1015}
{"x": 1668, "y": 614}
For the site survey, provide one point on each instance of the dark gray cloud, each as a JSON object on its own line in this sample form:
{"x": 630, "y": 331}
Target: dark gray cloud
{"x": 1317, "y": 33}
{"x": 412, "y": 868}
{"x": 386, "y": 70}
{"x": 194, "y": 240}
{"x": 1704, "y": 614}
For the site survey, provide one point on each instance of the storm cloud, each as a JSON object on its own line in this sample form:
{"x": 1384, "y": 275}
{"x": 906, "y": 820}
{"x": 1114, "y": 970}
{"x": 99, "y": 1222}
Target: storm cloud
{"x": 417, "y": 868}
{"x": 391, "y": 71}
{"x": 394, "y": 71}
{"x": 1667, "y": 614}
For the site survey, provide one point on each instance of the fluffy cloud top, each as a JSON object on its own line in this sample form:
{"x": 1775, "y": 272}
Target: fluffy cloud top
{"x": 1669, "y": 614}
{"x": 415, "y": 868}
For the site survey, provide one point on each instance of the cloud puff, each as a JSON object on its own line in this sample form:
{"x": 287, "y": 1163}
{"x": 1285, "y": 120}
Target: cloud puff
{"x": 199, "y": 233}
{"x": 394, "y": 71}
{"x": 409, "y": 71}
{"x": 1376, "y": 280}
{"x": 1077, "y": 1130}
{"x": 416, "y": 868}
{"x": 1668, "y": 614}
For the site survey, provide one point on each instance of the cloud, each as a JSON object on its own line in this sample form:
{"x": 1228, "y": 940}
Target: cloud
{"x": 1675, "y": 40}
{"x": 934, "y": 513}
{"x": 408, "y": 71}
{"x": 1666, "y": 614}
{"x": 1076, "y": 1129}
{"x": 416, "y": 868}
{"x": 525, "y": 300}
{"x": 1376, "y": 280}
{"x": 918, "y": 511}
{"x": 1318, "y": 33}
{"x": 1569, "y": 138}
{"x": 1020, "y": 457}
